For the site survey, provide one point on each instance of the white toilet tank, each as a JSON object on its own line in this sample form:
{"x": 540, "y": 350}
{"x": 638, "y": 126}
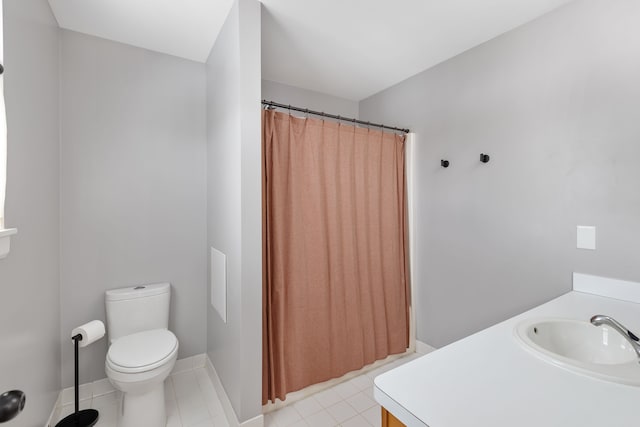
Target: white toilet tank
{"x": 137, "y": 309}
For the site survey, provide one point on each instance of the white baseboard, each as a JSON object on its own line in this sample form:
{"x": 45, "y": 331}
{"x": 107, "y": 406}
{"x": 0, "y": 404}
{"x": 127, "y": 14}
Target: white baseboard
{"x": 229, "y": 412}
{"x": 423, "y": 348}
{"x": 55, "y": 412}
{"x": 254, "y": 422}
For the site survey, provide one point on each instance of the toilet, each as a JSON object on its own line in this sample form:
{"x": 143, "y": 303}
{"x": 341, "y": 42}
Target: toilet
{"x": 142, "y": 352}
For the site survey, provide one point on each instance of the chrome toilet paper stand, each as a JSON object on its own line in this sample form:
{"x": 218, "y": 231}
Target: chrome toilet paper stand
{"x": 86, "y": 417}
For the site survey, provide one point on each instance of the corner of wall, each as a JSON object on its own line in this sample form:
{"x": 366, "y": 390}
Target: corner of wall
{"x": 234, "y": 205}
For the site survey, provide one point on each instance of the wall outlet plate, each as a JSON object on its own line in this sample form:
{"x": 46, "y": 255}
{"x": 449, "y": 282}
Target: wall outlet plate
{"x": 586, "y": 237}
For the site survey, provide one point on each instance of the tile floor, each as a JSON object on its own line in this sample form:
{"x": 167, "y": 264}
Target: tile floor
{"x": 190, "y": 396}
{"x": 193, "y": 402}
{"x": 349, "y": 404}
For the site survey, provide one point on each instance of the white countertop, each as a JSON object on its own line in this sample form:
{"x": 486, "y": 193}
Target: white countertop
{"x": 489, "y": 379}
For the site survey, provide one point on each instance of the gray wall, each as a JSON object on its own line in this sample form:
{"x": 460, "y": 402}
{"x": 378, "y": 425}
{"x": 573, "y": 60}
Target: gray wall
{"x": 555, "y": 104}
{"x": 133, "y": 187}
{"x": 312, "y": 100}
{"x": 29, "y": 280}
{"x": 234, "y": 212}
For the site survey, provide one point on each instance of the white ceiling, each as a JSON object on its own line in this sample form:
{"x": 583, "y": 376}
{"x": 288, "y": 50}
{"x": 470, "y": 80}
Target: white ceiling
{"x": 347, "y": 48}
{"x": 184, "y": 28}
{"x": 356, "y": 48}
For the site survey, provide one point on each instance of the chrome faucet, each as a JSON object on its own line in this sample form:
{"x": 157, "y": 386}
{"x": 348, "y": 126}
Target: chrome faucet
{"x": 599, "y": 320}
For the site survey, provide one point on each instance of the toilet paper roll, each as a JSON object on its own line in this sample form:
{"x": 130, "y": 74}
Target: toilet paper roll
{"x": 91, "y": 332}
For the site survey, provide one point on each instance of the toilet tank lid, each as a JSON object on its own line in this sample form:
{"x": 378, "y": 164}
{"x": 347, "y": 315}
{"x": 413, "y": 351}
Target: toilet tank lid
{"x": 139, "y": 291}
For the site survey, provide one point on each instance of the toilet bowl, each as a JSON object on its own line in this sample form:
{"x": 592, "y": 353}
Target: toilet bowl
{"x": 137, "y": 365}
{"x": 142, "y": 352}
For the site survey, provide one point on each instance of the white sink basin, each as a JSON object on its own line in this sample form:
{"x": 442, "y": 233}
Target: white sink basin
{"x": 579, "y": 346}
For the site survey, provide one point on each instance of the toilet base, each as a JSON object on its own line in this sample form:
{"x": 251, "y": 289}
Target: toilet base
{"x": 145, "y": 409}
{"x": 84, "y": 418}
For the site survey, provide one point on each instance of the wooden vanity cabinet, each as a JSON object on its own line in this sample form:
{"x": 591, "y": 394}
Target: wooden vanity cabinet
{"x": 388, "y": 420}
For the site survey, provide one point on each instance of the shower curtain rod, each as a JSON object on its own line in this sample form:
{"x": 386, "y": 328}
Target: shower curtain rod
{"x": 331, "y": 116}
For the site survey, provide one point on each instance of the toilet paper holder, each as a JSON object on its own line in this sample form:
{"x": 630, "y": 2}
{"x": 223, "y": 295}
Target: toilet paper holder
{"x": 86, "y": 417}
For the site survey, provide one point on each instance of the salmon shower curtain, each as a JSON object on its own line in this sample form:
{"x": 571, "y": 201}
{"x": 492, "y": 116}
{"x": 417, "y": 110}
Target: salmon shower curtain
{"x": 335, "y": 285}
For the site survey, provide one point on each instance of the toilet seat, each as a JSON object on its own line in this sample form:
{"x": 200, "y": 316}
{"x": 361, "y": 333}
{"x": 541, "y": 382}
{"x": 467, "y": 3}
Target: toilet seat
{"x": 142, "y": 351}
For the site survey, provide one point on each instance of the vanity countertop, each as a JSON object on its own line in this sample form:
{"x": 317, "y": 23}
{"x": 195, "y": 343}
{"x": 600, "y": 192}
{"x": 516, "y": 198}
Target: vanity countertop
{"x": 489, "y": 379}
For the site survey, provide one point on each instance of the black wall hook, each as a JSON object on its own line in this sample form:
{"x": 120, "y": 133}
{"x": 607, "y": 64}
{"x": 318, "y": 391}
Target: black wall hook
{"x": 484, "y": 158}
{"x": 444, "y": 163}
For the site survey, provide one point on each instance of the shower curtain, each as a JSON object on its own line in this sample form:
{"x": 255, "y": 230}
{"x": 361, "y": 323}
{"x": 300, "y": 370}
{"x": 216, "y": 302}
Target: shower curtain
{"x": 335, "y": 263}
